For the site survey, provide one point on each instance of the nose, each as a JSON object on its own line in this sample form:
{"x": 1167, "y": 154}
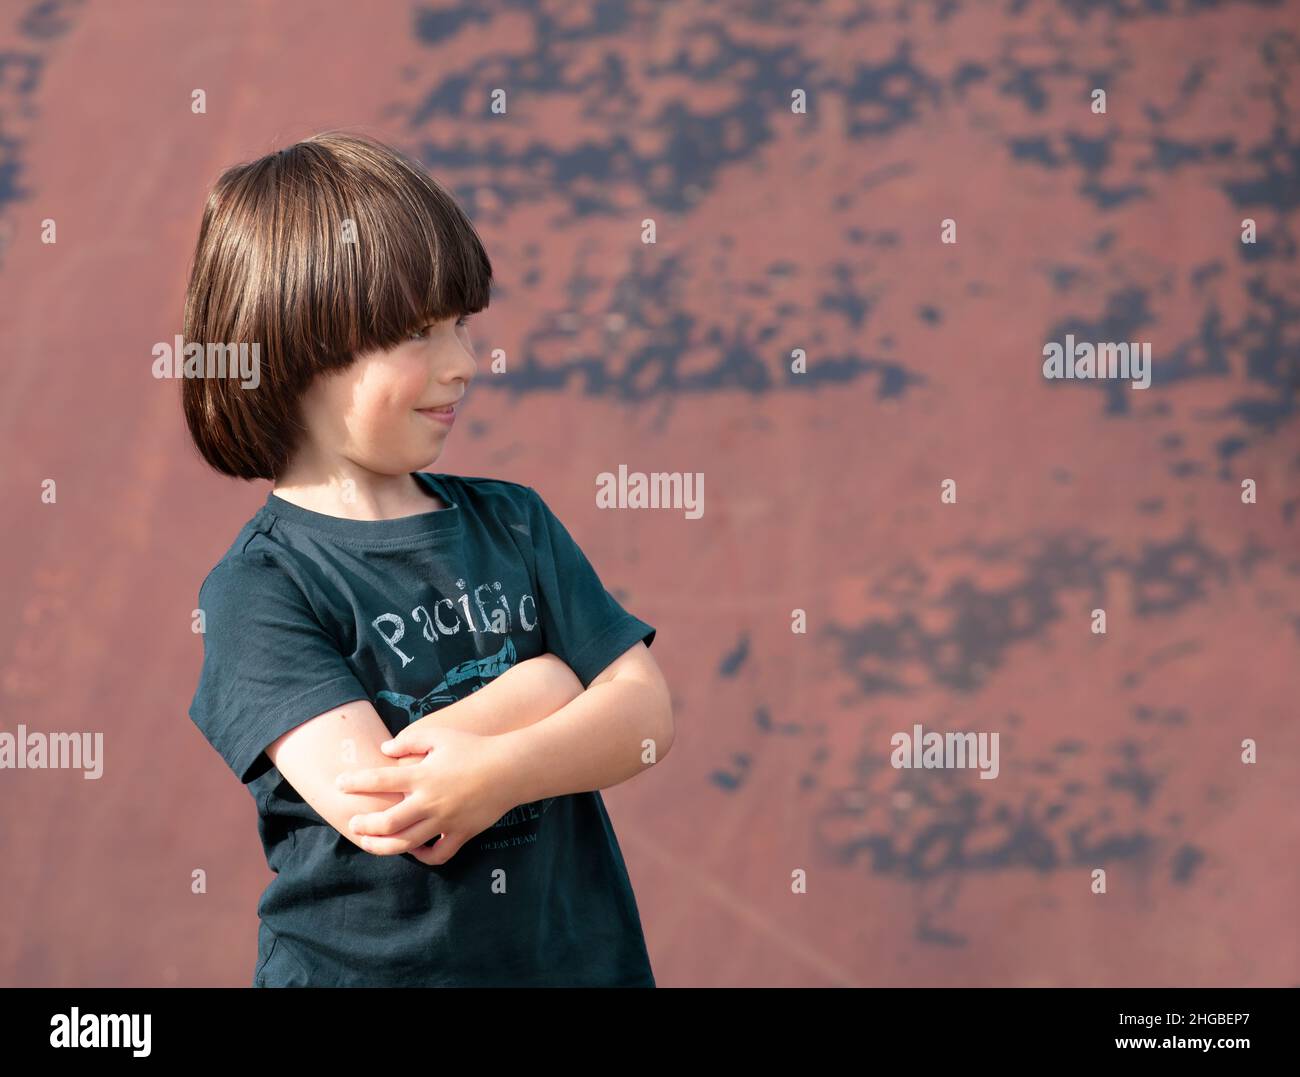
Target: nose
{"x": 458, "y": 360}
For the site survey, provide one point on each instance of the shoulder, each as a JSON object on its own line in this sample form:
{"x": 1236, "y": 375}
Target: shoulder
{"x": 253, "y": 564}
{"x": 494, "y": 497}
{"x": 483, "y": 488}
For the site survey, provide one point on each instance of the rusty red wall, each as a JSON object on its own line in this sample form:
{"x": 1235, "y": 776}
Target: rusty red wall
{"x": 782, "y": 223}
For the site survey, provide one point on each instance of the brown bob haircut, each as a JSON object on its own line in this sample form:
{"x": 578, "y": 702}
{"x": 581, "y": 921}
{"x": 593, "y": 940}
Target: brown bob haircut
{"x": 274, "y": 266}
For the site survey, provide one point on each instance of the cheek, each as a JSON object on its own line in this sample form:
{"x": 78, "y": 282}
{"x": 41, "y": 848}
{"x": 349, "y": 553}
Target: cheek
{"x": 385, "y": 401}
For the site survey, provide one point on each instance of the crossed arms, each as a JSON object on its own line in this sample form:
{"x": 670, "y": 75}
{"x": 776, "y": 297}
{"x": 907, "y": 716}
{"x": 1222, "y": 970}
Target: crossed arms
{"x": 532, "y": 732}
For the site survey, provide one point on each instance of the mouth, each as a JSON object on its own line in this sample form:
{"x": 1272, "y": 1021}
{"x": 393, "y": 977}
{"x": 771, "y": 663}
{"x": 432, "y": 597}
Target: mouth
{"x": 445, "y": 414}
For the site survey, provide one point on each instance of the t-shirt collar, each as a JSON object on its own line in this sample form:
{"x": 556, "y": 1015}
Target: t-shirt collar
{"x": 421, "y": 524}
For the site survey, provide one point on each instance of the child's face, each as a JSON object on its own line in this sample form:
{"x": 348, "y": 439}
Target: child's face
{"x": 370, "y": 413}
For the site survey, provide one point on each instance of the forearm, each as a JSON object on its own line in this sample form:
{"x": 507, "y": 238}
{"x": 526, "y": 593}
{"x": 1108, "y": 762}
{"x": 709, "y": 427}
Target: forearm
{"x": 523, "y": 694}
{"x": 608, "y": 734}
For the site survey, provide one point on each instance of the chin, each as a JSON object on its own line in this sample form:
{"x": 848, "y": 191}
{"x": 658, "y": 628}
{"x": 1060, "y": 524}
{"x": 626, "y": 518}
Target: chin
{"x": 428, "y": 460}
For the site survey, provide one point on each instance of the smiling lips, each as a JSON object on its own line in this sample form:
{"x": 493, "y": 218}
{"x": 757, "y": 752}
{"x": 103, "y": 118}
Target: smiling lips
{"x": 444, "y": 414}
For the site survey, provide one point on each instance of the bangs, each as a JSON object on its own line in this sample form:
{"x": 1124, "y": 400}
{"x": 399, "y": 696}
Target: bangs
{"x": 391, "y": 248}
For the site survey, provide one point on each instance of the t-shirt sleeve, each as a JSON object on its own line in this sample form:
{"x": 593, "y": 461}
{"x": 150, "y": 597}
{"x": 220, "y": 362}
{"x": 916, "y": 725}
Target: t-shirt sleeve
{"x": 268, "y": 664}
{"x": 582, "y": 623}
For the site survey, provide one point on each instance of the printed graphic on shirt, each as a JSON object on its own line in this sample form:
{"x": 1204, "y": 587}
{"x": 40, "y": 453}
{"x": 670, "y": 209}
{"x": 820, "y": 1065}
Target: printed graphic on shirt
{"x": 461, "y": 681}
{"x": 392, "y": 626}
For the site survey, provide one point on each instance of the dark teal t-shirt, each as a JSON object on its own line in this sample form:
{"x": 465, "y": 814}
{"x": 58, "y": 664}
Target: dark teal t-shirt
{"x": 306, "y": 612}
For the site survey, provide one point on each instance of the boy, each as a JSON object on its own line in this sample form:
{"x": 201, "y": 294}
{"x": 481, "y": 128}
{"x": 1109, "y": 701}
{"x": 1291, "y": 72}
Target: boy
{"x": 369, "y": 597}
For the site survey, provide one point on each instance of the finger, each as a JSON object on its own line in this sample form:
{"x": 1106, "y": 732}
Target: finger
{"x": 375, "y": 780}
{"x": 382, "y": 846}
{"x": 405, "y": 841}
{"x": 391, "y": 821}
{"x": 410, "y": 739}
{"x": 439, "y": 853}
{"x": 402, "y": 751}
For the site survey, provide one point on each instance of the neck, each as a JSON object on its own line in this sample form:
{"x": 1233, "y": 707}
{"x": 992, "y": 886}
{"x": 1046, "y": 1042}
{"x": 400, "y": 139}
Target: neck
{"x": 355, "y": 493}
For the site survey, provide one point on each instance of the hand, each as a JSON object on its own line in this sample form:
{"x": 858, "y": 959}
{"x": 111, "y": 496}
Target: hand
{"x": 457, "y": 790}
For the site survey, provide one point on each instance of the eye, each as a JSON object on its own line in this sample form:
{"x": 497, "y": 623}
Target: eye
{"x": 423, "y": 332}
